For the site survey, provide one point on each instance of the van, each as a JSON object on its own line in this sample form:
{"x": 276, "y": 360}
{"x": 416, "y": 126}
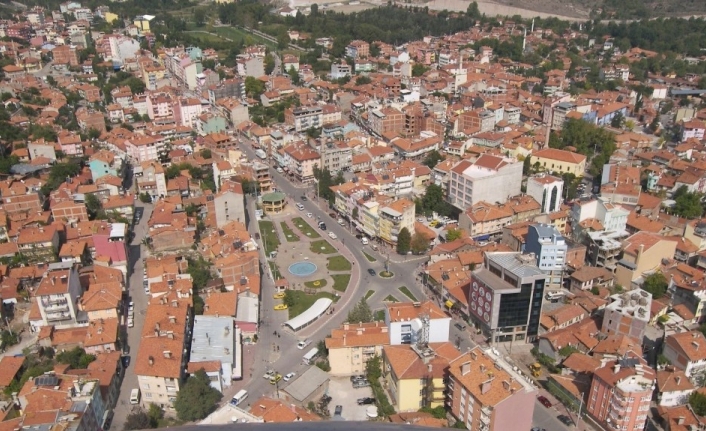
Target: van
{"x": 239, "y": 397}
{"x": 302, "y": 344}
{"x": 364, "y": 240}
{"x": 300, "y": 207}
{"x": 135, "y": 396}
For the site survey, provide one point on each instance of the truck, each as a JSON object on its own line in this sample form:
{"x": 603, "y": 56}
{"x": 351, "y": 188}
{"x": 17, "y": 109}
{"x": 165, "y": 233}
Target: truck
{"x": 261, "y": 154}
{"x": 310, "y": 356}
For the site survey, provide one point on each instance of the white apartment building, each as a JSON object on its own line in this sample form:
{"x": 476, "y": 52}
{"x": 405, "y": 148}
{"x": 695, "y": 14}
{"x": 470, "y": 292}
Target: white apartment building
{"x": 490, "y": 178}
{"x": 547, "y": 190}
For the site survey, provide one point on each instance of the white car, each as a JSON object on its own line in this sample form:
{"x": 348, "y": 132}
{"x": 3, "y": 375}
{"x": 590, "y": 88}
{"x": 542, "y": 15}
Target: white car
{"x": 332, "y": 235}
{"x": 280, "y": 170}
{"x": 310, "y": 215}
{"x": 302, "y": 344}
{"x": 289, "y": 377}
{"x": 130, "y": 323}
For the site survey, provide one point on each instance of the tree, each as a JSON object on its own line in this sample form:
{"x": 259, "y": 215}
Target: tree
{"x": 145, "y": 198}
{"x": 200, "y": 16}
{"x": 254, "y": 87}
{"x": 282, "y": 40}
{"x": 269, "y": 64}
{"x": 453, "y": 234}
{"x": 419, "y": 243}
{"x": 432, "y": 159}
{"x": 361, "y": 312}
{"x": 155, "y": 414}
{"x": 362, "y": 80}
{"x": 355, "y": 213}
{"x": 294, "y": 75}
{"x": 197, "y": 398}
{"x": 205, "y": 153}
{"x": 595, "y": 290}
{"x": 618, "y": 120}
{"x": 93, "y": 205}
{"x": 404, "y": 240}
{"x": 687, "y": 204}
{"x": 77, "y": 358}
{"x": 439, "y": 412}
{"x": 656, "y": 284}
{"x": 289, "y": 298}
{"x": 473, "y": 10}
{"x": 137, "y": 421}
{"x": 697, "y": 401}
{"x": 419, "y": 69}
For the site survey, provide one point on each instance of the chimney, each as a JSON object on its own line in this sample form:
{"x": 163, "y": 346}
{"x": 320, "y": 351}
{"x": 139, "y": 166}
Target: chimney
{"x": 172, "y": 319}
{"x": 678, "y": 380}
{"x": 680, "y": 420}
{"x": 465, "y": 368}
{"x": 640, "y": 250}
{"x": 485, "y": 386}
{"x": 695, "y": 344}
{"x": 167, "y": 354}
{"x": 170, "y": 335}
{"x": 150, "y": 360}
{"x": 616, "y": 368}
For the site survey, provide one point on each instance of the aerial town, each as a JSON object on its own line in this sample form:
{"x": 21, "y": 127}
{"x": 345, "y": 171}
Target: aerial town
{"x": 206, "y": 220}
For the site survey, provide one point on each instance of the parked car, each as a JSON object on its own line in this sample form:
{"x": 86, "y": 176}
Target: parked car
{"x": 565, "y": 420}
{"x": 366, "y": 400}
{"x": 310, "y": 215}
{"x": 268, "y": 375}
{"x": 371, "y": 272}
{"x": 361, "y": 384}
{"x": 126, "y": 361}
{"x": 545, "y": 402}
{"x": 338, "y": 411}
{"x": 460, "y": 326}
{"x": 289, "y": 376}
{"x": 332, "y": 235}
{"x": 304, "y": 198}
{"x": 354, "y": 378}
{"x": 302, "y": 344}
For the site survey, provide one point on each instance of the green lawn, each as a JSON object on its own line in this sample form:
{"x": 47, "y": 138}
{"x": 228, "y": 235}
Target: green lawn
{"x": 203, "y": 36}
{"x": 322, "y": 247}
{"x": 407, "y": 293}
{"x": 390, "y": 298}
{"x": 379, "y": 316}
{"x": 269, "y": 236}
{"x": 369, "y": 257}
{"x": 340, "y": 281}
{"x": 289, "y": 234}
{"x": 313, "y": 285}
{"x": 338, "y": 263}
{"x": 306, "y": 229}
{"x": 236, "y": 33}
{"x": 302, "y": 301}
{"x": 369, "y": 293}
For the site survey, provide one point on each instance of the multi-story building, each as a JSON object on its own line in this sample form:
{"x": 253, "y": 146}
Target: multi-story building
{"x": 358, "y": 49}
{"x": 472, "y": 122}
{"x": 144, "y": 148}
{"x": 70, "y": 211}
{"x": 547, "y": 190}
{"x": 58, "y": 294}
{"x": 66, "y": 54}
{"x": 489, "y": 178}
{"x": 186, "y": 111}
{"x": 21, "y": 199}
{"x": 151, "y": 179}
{"x": 336, "y": 157}
{"x": 39, "y": 243}
{"x": 684, "y": 351}
{"x": 253, "y": 66}
{"x": 560, "y": 161}
{"x": 340, "y": 70}
{"x": 604, "y": 248}
{"x": 621, "y": 392}
{"x": 549, "y": 248}
{"x": 184, "y": 68}
{"x": 609, "y": 217}
{"x": 300, "y": 160}
{"x": 394, "y": 217}
{"x": 628, "y": 314}
{"x": 506, "y": 297}
{"x": 163, "y": 355}
{"x": 352, "y": 345}
{"x": 485, "y": 393}
{"x": 405, "y": 321}
{"x": 234, "y": 87}
{"x": 228, "y": 204}
{"x": 304, "y": 117}
{"x": 414, "y": 374}
{"x": 386, "y": 121}
{"x": 216, "y": 339}
{"x": 483, "y": 220}
{"x": 643, "y": 253}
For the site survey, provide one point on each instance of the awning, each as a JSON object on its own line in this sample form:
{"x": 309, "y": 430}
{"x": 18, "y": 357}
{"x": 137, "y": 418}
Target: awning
{"x": 449, "y": 304}
{"x": 311, "y": 314}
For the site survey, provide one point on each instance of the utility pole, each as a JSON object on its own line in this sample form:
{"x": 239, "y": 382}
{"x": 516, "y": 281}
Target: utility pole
{"x": 578, "y": 418}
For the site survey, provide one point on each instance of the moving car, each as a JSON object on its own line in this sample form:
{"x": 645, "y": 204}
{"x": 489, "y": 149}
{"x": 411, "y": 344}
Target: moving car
{"x": 279, "y": 170}
{"x": 278, "y": 295}
{"x": 276, "y": 378}
{"x": 268, "y": 375}
{"x": 289, "y": 376}
{"x": 300, "y": 207}
{"x": 304, "y": 198}
{"x": 302, "y": 344}
{"x": 371, "y": 272}
{"x": 332, "y": 235}
{"x": 366, "y": 400}
{"x": 310, "y": 215}
{"x": 280, "y": 307}
{"x": 545, "y": 402}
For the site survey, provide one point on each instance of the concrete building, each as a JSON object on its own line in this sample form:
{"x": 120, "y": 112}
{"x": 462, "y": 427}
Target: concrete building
{"x": 490, "y": 179}
{"x": 405, "y": 322}
{"x": 643, "y": 253}
{"x": 394, "y": 217}
{"x": 628, "y": 314}
{"x": 609, "y": 217}
{"x": 161, "y": 359}
{"x": 229, "y": 204}
{"x": 559, "y": 161}
{"x": 549, "y": 248}
{"x": 415, "y": 374}
{"x": 547, "y": 190}
{"x": 304, "y": 117}
{"x": 151, "y": 179}
{"x": 352, "y": 345}
{"x": 58, "y": 294}
{"x": 686, "y": 351}
{"x": 336, "y": 157}
{"x": 386, "y": 121}
{"x": 673, "y": 387}
{"x": 621, "y": 392}
{"x": 486, "y": 394}
{"x": 217, "y": 339}
{"x": 506, "y": 297}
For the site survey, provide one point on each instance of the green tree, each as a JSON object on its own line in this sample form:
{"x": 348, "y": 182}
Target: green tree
{"x": 360, "y": 313}
{"x": 282, "y": 40}
{"x": 453, "y": 234}
{"x": 254, "y": 87}
{"x": 289, "y": 298}
{"x": 687, "y": 204}
{"x": 199, "y": 16}
{"x": 294, "y": 75}
{"x": 269, "y": 64}
{"x": 145, "y": 198}
{"x": 419, "y": 244}
{"x": 656, "y": 284}
{"x": 618, "y": 121}
{"x": 473, "y": 10}
{"x": 697, "y": 401}
{"x": 439, "y": 412}
{"x": 404, "y": 240}
{"x": 362, "y": 80}
{"x": 432, "y": 159}
{"x": 138, "y": 420}
{"x": 156, "y": 414}
{"x": 595, "y": 290}
{"x": 205, "y": 153}
{"x": 77, "y": 358}
{"x": 199, "y": 271}
{"x": 419, "y": 69}
{"x": 93, "y": 205}
{"x": 354, "y": 214}
{"x": 197, "y": 398}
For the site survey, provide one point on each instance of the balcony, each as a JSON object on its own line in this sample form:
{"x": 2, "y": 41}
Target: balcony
{"x": 485, "y": 420}
{"x": 58, "y": 316}
{"x": 486, "y": 410}
{"x": 48, "y": 308}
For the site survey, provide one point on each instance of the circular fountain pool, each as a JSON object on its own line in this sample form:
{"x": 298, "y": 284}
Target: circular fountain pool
{"x": 302, "y": 269}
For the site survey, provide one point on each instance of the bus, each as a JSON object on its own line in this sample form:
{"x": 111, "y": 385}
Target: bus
{"x": 239, "y": 397}
{"x": 310, "y": 356}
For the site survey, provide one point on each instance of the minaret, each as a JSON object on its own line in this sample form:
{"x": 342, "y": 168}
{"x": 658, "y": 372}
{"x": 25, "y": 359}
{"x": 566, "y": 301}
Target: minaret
{"x": 524, "y": 41}
{"x": 532, "y": 25}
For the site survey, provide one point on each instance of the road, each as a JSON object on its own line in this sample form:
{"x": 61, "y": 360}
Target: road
{"x": 136, "y": 294}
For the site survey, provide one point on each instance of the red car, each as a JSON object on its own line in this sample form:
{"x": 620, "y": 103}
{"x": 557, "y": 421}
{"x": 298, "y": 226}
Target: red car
{"x": 545, "y": 402}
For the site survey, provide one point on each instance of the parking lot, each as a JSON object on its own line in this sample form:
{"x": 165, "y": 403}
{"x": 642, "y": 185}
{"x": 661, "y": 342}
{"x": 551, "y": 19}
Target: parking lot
{"x": 342, "y": 393}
